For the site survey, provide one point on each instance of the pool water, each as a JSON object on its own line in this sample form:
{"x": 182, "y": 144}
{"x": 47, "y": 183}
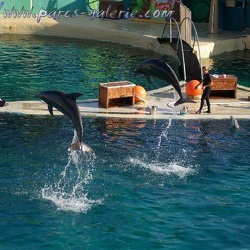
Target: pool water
{"x": 232, "y": 63}
{"x": 151, "y": 184}
{"x": 165, "y": 184}
{"x": 29, "y": 64}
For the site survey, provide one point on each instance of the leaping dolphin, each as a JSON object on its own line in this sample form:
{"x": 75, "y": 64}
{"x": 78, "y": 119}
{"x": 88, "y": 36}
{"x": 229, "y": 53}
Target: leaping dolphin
{"x": 66, "y": 103}
{"x": 157, "y": 67}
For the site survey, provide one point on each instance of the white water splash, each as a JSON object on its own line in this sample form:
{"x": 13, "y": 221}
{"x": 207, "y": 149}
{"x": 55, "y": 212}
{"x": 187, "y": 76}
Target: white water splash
{"x": 163, "y": 168}
{"x": 164, "y": 134}
{"x": 155, "y": 165}
{"x": 69, "y": 193}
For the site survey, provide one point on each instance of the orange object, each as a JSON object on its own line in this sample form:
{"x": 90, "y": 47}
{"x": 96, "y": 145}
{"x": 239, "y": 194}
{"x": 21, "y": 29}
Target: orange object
{"x": 191, "y": 89}
{"x": 140, "y": 94}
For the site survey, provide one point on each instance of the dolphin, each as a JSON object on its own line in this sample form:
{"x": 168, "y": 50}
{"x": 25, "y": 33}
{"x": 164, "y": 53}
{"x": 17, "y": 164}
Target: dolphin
{"x": 157, "y": 67}
{"x": 66, "y": 103}
{"x": 234, "y": 123}
{"x": 2, "y": 102}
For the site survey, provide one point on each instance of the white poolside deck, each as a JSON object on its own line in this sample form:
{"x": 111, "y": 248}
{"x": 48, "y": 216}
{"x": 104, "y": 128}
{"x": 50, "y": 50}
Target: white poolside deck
{"x": 163, "y": 98}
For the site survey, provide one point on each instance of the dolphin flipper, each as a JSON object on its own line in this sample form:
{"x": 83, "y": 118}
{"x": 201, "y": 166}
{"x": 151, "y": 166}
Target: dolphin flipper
{"x": 50, "y": 108}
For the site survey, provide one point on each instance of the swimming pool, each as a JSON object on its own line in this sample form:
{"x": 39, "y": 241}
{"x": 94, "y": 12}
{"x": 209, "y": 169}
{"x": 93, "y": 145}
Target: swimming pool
{"x": 151, "y": 184}
{"x": 232, "y": 63}
{"x": 30, "y": 64}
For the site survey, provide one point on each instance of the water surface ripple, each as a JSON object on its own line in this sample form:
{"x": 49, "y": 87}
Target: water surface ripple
{"x": 149, "y": 186}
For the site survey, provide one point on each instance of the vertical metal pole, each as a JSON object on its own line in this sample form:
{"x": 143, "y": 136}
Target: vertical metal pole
{"x": 245, "y": 14}
{"x": 213, "y": 17}
{"x": 212, "y": 25}
{"x": 170, "y": 31}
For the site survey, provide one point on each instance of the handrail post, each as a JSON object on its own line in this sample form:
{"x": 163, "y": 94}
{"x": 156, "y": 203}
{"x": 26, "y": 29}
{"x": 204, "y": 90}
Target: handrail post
{"x": 197, "y": 39}
{"x": 187, "y": 37}
{"x": 170, "y": 30}
{"x": 182, "y": 52}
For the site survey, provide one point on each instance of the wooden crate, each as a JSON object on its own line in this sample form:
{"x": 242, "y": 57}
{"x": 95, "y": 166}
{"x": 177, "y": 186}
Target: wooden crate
{"x": 224, "y": 86}
{"x": 116, "y": 94}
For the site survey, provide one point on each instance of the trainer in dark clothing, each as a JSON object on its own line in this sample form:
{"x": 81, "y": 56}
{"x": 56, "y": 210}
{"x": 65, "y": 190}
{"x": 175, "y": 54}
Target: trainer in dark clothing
{"x": 206, "y": 86}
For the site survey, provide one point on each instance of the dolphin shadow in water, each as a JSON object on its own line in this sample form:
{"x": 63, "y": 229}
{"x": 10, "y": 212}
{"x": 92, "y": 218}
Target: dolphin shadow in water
{"x": 66, "y": 103}
{"x": 157, "y": 67}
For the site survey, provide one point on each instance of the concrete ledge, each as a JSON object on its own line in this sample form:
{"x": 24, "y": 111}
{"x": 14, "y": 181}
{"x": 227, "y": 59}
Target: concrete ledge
{"x": 212, "y": 48}
{"x": 123, "y": 31}
{"x": 164, "y": 99}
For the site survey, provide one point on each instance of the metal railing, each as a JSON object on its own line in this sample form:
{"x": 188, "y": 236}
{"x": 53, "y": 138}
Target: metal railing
{"x": 195, "y": 39}
{"x": 184, "y": 33}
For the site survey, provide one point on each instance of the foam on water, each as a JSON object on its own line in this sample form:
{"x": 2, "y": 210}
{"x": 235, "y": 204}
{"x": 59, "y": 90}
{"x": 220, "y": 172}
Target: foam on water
{"x": 166, "y": 168}
{"x": 172, "y": 168}
{"x": 71, "y": 203}
{"x": 69, "y": 193}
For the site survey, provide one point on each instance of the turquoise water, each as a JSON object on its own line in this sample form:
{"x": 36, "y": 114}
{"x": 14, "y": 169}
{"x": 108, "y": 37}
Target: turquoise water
{"x": 152, "y": 184}
{"x": 232, "y": 63}
{"x": 147, "y": 187}
{"x": 29, "y": 64}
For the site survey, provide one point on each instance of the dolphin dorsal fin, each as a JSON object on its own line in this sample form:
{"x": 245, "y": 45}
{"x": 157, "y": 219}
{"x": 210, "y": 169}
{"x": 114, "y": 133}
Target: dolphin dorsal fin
{"x": 163, "y": 58}
{"x": 73, "y": 96}
{"x": 50, "y": 108}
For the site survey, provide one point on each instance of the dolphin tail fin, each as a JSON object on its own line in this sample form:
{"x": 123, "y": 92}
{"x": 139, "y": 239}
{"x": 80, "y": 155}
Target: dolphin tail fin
{"x": 80, "y": 146}
{"x": 234, "y": 123}
{"x": 182, "y": 100}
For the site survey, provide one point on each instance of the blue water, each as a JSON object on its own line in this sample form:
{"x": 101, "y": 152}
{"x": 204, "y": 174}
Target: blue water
{"x": 151, "y": 184}
{"x": 232, "y": 63}
{"x": 29, "y": 64}
{"x": 146, "y": 187}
